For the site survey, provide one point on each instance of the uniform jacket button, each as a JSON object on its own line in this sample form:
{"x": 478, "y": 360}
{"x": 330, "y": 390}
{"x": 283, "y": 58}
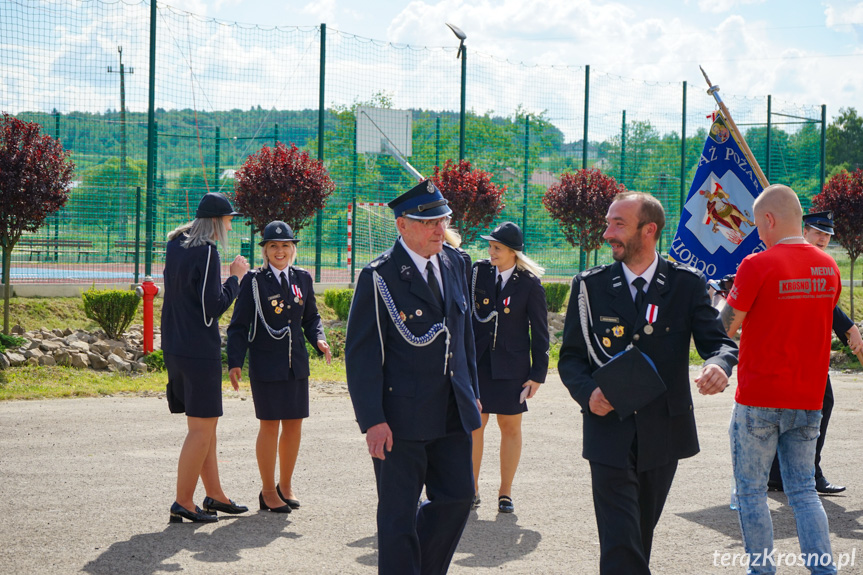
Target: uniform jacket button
{"x": 451, "y": 373}
{"x": 636, "y": 337}
{"x": 391, "y": 389}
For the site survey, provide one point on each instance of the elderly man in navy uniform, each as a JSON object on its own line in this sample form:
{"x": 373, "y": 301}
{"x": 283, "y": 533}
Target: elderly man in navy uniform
{"x": 817, "y": 230}
{"x": 412, "y": 379}
{"x": 657, "y": 306}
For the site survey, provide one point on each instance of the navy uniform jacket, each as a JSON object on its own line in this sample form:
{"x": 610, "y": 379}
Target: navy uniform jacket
{"x": 268, "y": 357}
{"x": 665, "y": 428}
{"x": 184, "y": 331}
{"x": 522, "y": 333}
{"x": 397, "y": 382}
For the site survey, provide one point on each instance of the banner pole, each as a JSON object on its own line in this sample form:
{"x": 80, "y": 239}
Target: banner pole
{"x": 714, "y": 91}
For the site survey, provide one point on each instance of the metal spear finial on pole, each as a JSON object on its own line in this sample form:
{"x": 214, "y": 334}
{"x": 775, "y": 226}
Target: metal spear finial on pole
{"x": 714, "y": 91}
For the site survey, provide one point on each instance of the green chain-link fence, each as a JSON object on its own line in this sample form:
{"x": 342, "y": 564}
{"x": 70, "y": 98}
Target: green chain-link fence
{"x": 222, "y": 90}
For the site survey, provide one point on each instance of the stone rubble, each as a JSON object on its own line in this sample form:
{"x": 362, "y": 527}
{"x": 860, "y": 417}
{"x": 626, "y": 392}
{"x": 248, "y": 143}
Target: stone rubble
{"x": 82, "y": 349}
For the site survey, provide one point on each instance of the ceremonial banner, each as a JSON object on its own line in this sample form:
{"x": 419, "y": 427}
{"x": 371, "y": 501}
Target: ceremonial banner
{"x": 717, "y": 226}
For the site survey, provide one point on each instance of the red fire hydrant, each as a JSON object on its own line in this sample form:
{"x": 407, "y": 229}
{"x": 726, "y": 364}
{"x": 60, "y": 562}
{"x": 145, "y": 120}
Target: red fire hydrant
{"x": 148, "y": 290}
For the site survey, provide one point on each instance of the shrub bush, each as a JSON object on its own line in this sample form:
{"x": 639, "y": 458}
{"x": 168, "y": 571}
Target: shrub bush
{"x": 340, "y": 301}
{"x": 555, "y": 295}
{"x": 7, "y": 341}
{"x": 112, "y": 309}
{"x": 155, "y": 361}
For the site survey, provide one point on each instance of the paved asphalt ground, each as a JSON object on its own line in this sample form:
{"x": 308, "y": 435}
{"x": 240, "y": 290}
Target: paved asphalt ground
{"x": 86, "y": 484}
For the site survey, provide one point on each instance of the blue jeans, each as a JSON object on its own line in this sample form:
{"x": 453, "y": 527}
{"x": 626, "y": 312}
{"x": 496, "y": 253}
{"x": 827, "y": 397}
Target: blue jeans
{"x": 757, "y": 434}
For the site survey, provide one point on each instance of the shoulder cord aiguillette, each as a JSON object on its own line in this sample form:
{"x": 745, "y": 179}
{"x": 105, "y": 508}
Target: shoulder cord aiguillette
{"x": 276, "y": 334}
{"x": 207, "y": 322}
{"x": 492, "y": 316}
{"x": 416, "y": 341}
{"x": 585, "y": 316}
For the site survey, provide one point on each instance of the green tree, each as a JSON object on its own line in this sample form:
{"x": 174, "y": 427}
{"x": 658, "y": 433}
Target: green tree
{"x": 101, "y": 187}
{"x": 35, "y": 174}
{"x": 845, "y": 140}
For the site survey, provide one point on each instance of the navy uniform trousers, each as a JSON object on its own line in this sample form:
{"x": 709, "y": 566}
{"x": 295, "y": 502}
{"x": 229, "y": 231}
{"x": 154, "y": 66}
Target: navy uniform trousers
{"x": 427, "y": 395}
{"x": 633, "y": 461}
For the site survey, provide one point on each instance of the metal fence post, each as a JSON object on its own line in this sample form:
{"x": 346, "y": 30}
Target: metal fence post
{"x": 582, "y": 257}
{"x": 436, "y": 144}
{"x": 623, "y": 148}
{"x": 526, "y": 174}
{"x": 319, "y": 228}
{"x": 56, "y": 215}
{"x": 461, "y": 128}
{"x": 151, "y": 141}
{"x": 682, "y": 155}
{"x": 769, "y": 133}
{"x": 137, "y": 231}
{"x": 823, "y": 147}
{"x": 216, "y": 154}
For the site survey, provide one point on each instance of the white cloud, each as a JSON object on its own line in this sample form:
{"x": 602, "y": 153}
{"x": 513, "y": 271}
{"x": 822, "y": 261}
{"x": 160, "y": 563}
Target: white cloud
{"x": 719, "y": 6}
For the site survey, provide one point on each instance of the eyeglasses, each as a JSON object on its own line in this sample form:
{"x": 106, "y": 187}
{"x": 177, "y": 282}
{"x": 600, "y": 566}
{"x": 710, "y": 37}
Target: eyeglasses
{"x": 436, "y": 222}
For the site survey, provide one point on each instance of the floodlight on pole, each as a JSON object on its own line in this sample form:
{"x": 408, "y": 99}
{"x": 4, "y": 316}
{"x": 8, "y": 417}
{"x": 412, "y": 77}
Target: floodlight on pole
{"x": 462, "y": 52}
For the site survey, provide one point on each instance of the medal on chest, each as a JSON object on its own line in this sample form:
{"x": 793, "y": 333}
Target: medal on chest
{"x": 506, "y": 304}
{"x": 298, "y": 294}
{"x": 650, "y": 315}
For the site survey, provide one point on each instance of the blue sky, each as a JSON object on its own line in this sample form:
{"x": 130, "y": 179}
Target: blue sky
{"x": 801, "y": 51}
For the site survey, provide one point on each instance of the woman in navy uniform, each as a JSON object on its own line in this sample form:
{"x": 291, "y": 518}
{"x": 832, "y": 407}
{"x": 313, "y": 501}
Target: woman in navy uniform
{"x": 510, "y": 324}
{"x": 275, "y": 307}
{"x": 195, "y": 298}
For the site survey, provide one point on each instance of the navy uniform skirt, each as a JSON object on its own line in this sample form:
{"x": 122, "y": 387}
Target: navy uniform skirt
{"x": 498, "y": 395}
{"x": 286, "y": 399}
{"x": 194, "y": 385}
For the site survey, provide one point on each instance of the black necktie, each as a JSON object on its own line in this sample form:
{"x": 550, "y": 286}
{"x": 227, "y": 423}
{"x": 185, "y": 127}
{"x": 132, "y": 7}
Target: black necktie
{"x": 639, "y": 292}
{"x": 285, "y": 287}
{"x": 435, "y": 287}
{"x": 497, "y": 286}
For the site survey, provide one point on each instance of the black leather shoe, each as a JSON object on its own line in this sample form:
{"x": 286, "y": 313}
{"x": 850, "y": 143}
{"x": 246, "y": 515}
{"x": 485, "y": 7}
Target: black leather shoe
{"x": 265, "y": 507}
{"x": 211, "y": 506}
{"x": 474, "y": 504}
{"x": 774, "y": 486}
{"x": 504, "y": 504}
{"x": 292, "y": 502}
{"x": 824, "y": 486}
{"x": 178, "y": 513}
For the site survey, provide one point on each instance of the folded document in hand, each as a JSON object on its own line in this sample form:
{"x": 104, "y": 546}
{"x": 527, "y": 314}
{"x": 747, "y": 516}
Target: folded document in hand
{"x": 629, "y": 381}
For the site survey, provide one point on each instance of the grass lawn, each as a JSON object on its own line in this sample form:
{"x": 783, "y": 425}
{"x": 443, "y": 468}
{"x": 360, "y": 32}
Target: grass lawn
{"x": 57, "y": 382}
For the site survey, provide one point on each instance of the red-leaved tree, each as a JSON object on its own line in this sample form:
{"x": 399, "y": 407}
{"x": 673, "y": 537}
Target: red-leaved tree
{"x": 579, "y": 203}
{"x": 35, "y": 174}
{"x": 475, "y": 201}
{"x": 281, "y": 183}
{"x": 843, "y": 194}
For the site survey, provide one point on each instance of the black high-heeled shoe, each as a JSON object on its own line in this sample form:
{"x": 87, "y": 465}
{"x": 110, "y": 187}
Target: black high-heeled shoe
{"x": 265, "y": 507}
{"x": 178, "y": 513}
{"x": 292, "y": 502}
{"x": 212, "y": 505}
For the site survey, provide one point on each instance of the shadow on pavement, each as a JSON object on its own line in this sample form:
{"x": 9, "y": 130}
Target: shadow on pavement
{"x": 489, "y": 543}
{"x": 494, "y": 543}
{"x": 150, "y": 553}
{"x": 843, "y": 523}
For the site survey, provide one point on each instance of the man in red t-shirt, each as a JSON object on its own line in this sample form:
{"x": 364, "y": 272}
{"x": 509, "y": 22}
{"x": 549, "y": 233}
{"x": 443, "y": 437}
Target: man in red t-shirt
{"x": 783, "y": 298}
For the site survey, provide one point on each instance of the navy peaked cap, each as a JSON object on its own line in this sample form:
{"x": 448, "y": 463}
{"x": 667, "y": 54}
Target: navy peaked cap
{"x": 215, "y": 205}
{"x": 509, "y": 235}
{"x": 821, "y": 221}
{"x": 277, "y": 231}
{"x": 422, "y": 202}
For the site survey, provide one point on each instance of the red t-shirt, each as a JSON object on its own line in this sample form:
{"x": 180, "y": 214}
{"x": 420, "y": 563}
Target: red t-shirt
{"x": 788, "y": 293}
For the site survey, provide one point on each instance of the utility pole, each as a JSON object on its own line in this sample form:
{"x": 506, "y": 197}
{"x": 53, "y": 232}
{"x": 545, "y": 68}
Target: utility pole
{"x": 123, "y": 71}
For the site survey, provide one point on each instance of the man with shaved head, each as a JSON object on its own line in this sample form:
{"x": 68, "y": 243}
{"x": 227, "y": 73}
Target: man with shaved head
{"x": 783, "y": 298}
